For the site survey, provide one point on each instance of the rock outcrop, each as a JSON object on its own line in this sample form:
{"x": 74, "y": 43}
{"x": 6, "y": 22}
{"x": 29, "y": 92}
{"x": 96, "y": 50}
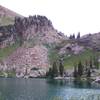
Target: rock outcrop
{"x": 7, "y": 36}
{"x": 29, "y": 57}
{"x": 7, "y": 28}
{"x": 91, "y": 41}
{"x": 37, "y": 27}
{"x": 33, "y": 28}
{"x": 33, "y": 32}
{"x": 71, "y": 49}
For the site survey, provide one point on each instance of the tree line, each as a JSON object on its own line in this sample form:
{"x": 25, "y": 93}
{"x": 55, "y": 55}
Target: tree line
{"x": 86, "y": 69}
{"x": 56, "y": 70}
{"x": 72, "y": 36}
{"x": 80, "y": 70}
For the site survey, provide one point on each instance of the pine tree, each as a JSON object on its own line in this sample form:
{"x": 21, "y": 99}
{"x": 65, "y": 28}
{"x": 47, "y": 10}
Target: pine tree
{"x": 96, "y": 63}
{"x": 70, "y": 37}
{"x": 61, "y": 69}
{"x": 91, "y": 63}
{"x": 89, "y": 73}
{"x": 86, "y": 66}
{"x": 78, "y": 36}
{"x": 49, "y": 73}
{"x": 73, "y": 36}
{"x": 80, "y": 69}
{"x": 75, "y": 72}
{"x": 54, "y": 70}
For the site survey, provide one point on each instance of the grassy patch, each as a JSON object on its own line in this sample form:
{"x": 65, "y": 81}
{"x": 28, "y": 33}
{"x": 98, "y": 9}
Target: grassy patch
{"x": 70, "y": 61}
{"x": 8, "y": 50}
{"x": 6, "y": 21}
{"x": 7, "y": 74}
{"x": 11, "y": 74}
{"x": 53, "y": 55}
{"x": 74, "y": 59}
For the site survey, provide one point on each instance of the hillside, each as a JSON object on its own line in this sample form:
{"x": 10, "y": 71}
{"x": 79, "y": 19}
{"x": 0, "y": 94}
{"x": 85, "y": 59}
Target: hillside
{"x": 24, "y": 45}
{"x": 30, "y": 45}
{"x": 72, "y": 52}
{"x": 7, "y": 16}
{"x": 91, "y": 40}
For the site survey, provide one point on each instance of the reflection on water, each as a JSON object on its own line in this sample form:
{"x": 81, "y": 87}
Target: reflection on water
{"x": 42, "y": 89}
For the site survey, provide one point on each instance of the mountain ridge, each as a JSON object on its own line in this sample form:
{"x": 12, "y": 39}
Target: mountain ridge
{"x": 31, "y": 44}
{"x": 34, "y": 34}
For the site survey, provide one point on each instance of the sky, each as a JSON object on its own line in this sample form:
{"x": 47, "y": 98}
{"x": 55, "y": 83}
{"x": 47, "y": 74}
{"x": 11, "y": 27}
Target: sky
{"x": 67, "y": 16}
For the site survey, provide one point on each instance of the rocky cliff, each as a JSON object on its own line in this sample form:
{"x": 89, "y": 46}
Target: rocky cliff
{"x": 37, "y": 27}
{"x": 34, "y": 34}
{"x": 30, "y": 44}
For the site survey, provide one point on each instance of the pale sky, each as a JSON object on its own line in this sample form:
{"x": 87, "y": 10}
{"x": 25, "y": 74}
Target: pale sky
{"x": 68, "y": 16}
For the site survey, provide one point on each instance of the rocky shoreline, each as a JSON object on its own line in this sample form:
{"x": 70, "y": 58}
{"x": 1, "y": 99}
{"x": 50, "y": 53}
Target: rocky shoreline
{"x": 41, "y": 73}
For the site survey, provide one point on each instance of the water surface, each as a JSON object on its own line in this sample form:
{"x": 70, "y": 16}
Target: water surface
{"x": 43, "y": 89}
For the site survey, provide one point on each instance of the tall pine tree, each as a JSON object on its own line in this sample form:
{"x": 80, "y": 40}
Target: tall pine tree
{"x": 80, "y": 69}
{"x": 61, "y": 68}
{"x": 75, "y": 71}
{"x": 54, "y": 70}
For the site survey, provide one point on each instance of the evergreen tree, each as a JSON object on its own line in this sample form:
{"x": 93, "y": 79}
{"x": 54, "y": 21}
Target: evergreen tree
{"x": 75, "y": 72}
{"x": 78, "y": 36}
{"x": 61, "y": 68}
{"x": 49, "y": 73}
{"x": 86, "y": 66}
{"x": 70, "y": 37}
{"x": 96, "y": 63}
{"x": 54, "y": 70}
{"x": 89, "y": 73}
{"x": 91, "y": 63}
{"x": 86, "y": 63}
{"x": 73, "y": 36}
{"x": 80, "y": 69}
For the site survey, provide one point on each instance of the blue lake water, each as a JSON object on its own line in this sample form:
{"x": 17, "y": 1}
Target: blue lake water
{"x": 43, "y": 89}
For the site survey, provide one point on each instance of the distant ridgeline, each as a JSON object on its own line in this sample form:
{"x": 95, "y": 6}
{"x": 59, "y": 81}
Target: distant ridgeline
{"x": 91, "y": 40}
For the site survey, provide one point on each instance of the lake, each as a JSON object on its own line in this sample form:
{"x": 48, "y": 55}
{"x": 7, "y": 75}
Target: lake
{"x": 43, "y": 89}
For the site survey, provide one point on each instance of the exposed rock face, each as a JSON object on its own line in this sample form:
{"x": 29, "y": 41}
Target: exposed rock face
{"x": 35, "y": 57}
{"x": 28, "y": 62}
{"x": 91, "y": 40}
{"x": 7, "y": 29}
{"x": 33, "y": 32}
{"x": 37, "y": 26}
{"x": 71, "y": 49}
{"x": 7, "y": 36}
